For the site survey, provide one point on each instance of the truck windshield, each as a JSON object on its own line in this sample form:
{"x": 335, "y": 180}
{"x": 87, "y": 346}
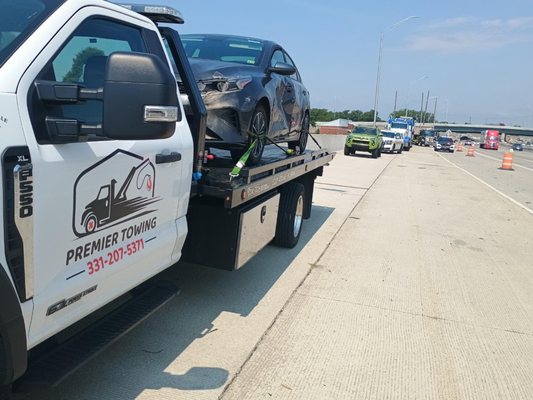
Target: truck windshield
{"x": 399, "y": 125}
{"x": 18, "y": 19}
{"x": 388, "y": 134}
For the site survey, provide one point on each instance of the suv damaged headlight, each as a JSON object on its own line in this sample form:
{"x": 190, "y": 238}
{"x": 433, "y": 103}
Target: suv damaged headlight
{"x": 233, "y": 85}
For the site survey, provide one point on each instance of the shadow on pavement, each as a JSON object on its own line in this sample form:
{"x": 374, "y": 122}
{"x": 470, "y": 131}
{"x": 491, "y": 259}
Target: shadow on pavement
{"x": 139, "y": 360}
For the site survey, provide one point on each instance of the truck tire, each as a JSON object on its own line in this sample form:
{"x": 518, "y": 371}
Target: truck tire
{"x": 346, "y": 151}
{"x": 401, "y": 149}
{"x": 375, "y": 153}
{"x": 290, "y": 215}
{"x": 91, "y": 222}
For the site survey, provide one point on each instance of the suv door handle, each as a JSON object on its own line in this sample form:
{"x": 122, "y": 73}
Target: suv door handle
{"x": 167, "y": 158}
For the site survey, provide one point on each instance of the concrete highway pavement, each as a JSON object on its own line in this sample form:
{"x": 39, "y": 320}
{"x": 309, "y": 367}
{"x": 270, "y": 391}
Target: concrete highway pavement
{"x": 485, "y": 166}
{"x": 425, "y": 292}
{"x": 405, "y": 285}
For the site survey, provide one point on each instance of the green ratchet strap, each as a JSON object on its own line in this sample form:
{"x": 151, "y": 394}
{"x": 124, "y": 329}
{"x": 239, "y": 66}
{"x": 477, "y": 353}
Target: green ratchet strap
{"x": 242, "y": 161}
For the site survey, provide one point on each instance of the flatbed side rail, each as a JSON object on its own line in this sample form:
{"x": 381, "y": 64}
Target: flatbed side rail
{"x": 261, "y": 179}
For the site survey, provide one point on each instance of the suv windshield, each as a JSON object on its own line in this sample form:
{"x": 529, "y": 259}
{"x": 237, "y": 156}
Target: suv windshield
{"x": 388, "y": 134}
{"x": 366, "y": 131}
{"x": 223, "y": 48}
{"x": 445, "y": 140}
{"x": 18, "y": 19}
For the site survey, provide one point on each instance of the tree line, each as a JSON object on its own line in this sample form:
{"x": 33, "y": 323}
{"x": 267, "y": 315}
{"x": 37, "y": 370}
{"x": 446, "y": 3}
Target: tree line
{"x": 324, "y": 115}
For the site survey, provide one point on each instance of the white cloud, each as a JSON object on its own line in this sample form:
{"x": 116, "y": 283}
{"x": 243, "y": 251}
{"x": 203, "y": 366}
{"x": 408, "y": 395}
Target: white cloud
{"x": 463, "y": 34}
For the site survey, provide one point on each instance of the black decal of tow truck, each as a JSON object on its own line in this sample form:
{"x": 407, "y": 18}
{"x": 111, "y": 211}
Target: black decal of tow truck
{"x": 115, "y": 201}
{"x": 111, "y": 205}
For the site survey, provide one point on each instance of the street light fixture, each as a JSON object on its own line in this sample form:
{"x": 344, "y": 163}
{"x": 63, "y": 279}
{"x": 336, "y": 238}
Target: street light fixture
{"x": 382, "y": 33}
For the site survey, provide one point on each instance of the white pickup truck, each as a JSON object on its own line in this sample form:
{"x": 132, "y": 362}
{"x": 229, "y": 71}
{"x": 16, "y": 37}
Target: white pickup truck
{"x": 106, "y": 181}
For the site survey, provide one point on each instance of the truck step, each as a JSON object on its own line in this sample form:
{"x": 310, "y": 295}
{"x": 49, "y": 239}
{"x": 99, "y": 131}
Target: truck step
{"x": 55, "y": 365}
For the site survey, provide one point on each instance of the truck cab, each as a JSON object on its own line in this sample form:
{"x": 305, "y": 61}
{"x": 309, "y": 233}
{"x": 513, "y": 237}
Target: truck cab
{"x": 404, "y": 126}
{"x": 91, "y": 170}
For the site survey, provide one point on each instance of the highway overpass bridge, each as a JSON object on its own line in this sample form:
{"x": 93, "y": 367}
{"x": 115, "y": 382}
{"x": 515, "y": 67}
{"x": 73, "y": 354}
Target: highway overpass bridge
{"x": 468, "y": 128}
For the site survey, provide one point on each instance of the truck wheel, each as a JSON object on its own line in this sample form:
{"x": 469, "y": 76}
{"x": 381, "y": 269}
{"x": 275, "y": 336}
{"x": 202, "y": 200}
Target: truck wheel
{"x": 290, "y": 215}
{"x": 5, "y": 392}
{"x": 300, "y": 144}
{"x": 401, "y": 149}
{"x": 346, "y": 151}
{"x": 375, "y": 153}
{"x": 90, "y": 223}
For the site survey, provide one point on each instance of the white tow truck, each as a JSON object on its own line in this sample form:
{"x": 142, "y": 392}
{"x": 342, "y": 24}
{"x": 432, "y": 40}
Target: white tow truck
{"x": 106, "y": 181}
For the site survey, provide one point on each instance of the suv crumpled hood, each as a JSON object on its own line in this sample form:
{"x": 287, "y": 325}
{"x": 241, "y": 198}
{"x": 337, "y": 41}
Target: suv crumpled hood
{"x": 207, "y": 70}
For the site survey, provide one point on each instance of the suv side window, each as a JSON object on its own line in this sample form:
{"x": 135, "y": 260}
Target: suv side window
{"x": 82, "y": 59}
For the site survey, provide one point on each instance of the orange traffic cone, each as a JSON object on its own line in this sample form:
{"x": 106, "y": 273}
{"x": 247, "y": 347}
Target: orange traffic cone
{"x": 507, "y": 163}
{"x": 470, "y": 152}
{"x": 459, "y": 147}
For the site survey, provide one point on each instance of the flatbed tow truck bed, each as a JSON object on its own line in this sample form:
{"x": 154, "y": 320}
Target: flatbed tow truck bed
{"x": 274, "y": 170}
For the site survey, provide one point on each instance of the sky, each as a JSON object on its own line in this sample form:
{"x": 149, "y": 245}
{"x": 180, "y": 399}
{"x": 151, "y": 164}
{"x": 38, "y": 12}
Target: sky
{"x": 475, "y": 56}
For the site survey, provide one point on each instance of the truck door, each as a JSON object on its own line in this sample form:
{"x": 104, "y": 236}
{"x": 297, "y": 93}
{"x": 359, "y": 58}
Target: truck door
{"x": 107, "y": 214}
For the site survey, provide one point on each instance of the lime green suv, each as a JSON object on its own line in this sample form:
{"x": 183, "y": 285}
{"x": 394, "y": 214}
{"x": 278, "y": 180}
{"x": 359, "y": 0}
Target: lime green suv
{"x": 362, "y": 138}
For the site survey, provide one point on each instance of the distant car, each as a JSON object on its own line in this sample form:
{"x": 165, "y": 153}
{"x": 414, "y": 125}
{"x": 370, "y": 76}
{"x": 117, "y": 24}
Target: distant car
{"x": 362, "y": 138}
{"x": 392, "y": 142}
{"x": 426, "y": 138}
{"x": 251, "y": 89}
{"x": 518, "y": 147}
{"x": 444, "y": 144}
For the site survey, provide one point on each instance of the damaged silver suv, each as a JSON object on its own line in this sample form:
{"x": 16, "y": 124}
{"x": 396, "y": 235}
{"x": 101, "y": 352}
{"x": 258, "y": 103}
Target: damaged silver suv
{"x": 253, "y": 93}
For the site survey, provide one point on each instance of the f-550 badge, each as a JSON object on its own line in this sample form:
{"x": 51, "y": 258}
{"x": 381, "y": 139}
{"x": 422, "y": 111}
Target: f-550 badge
{"x": 128, "y": 194}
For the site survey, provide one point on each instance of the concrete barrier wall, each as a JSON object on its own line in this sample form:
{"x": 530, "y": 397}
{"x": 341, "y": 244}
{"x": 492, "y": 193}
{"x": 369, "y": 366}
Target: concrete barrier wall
{"x": 331, "y": 142}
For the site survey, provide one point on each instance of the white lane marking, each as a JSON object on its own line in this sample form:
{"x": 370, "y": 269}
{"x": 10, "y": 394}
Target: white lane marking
{"x": 497, "y": 159}
{"x": 489, "y": 186}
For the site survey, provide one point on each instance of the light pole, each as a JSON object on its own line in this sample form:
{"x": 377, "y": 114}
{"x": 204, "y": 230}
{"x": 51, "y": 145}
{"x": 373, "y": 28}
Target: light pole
{"x": 382, "y": 33}
{"x": 434, "y": 109}
{"x": 409, "y": 90}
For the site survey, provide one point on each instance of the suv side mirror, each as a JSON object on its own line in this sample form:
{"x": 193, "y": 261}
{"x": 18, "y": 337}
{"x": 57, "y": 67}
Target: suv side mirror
{"x": 283, "y": 69}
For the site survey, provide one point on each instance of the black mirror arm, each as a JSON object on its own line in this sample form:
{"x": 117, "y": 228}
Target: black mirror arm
{"x": 66, "y": 93}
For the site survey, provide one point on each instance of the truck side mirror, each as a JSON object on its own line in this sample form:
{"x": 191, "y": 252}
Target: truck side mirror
{"x": 140, "y": 98}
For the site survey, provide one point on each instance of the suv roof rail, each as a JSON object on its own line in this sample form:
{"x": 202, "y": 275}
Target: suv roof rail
{"x": 158, "y": 14}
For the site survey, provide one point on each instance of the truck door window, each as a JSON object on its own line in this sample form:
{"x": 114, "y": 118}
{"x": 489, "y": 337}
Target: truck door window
{"x": 82, "y": 59}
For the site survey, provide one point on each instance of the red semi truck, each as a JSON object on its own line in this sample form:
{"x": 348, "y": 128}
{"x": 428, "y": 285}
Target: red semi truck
{"x": 489, "y": 139}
